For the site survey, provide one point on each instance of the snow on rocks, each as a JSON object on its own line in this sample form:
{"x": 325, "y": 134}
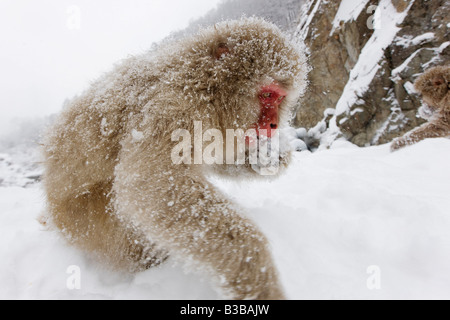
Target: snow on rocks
{"x": 348, "y": 10}
{"x": 368, "y": 62}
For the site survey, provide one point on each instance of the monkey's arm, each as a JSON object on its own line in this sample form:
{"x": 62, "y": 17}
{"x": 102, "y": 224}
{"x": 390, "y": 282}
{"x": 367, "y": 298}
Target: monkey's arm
{"x": 434, "y": 129}
{"x": 183, "y": 213}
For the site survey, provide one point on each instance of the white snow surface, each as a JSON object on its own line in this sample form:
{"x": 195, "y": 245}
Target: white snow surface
{"x": 331, "y": 217}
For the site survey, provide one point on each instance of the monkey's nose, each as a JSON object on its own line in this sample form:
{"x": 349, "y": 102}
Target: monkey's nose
{"x": 265, "y": 128}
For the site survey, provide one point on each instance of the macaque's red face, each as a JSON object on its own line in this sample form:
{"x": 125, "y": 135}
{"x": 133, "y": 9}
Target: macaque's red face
{"x": 270, "y": 99}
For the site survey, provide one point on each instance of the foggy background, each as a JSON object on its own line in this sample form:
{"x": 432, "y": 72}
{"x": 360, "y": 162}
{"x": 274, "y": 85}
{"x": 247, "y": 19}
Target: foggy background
{"x": 53, "y": 49}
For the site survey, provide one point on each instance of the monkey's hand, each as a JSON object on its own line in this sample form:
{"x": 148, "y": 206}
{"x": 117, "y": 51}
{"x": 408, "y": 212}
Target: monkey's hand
{"x": 398, "y": 144}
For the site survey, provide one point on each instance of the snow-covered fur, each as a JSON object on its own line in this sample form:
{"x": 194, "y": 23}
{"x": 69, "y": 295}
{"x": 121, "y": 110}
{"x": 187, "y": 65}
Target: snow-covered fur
{"x": 111, "y": 185}
{"x": 434, "y": 86}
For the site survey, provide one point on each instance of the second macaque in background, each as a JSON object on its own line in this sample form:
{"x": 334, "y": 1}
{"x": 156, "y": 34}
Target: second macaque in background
{"x": 433, "y": 85}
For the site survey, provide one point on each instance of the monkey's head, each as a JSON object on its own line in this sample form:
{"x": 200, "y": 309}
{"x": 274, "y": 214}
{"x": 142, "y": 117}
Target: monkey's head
{"x": 243, "y": 74}
{"x": 434, "y": 86}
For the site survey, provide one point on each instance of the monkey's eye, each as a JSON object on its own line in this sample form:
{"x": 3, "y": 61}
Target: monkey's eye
{"x": 281, "y": 98}
{"x": 267, "y": 95}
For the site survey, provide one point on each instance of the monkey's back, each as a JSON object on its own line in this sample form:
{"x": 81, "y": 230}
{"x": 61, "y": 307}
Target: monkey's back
{"x": 81, "y": 151}
{"x": 83, "y": 145}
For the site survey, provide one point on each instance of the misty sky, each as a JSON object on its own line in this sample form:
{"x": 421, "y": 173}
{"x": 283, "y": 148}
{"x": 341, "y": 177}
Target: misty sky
{"x": 52, "y": 49}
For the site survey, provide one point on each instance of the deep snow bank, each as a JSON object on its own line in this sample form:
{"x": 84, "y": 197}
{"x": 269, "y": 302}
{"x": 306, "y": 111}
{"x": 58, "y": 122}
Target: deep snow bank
{"x": 334, "y": 214}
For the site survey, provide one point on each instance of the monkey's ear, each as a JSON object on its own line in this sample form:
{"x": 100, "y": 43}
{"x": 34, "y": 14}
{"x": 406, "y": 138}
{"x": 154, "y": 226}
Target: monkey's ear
{"x": 221, "y": 50}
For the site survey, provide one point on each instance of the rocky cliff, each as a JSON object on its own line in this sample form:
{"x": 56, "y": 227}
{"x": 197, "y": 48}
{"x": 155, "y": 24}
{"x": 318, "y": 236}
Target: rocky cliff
{"x": 365, "y": 56}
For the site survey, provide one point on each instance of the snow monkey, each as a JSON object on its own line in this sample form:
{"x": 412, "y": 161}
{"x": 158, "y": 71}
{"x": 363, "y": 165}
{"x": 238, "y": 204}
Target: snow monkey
{"x": 434, "y": 86}
{"x": 112, "y": 188}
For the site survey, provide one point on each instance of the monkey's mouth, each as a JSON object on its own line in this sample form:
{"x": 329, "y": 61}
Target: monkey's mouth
{"x": 272, "y": 153}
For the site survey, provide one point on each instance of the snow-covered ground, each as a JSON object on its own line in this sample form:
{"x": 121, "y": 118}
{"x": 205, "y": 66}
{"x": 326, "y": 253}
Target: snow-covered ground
{"x": 334, "y": 216}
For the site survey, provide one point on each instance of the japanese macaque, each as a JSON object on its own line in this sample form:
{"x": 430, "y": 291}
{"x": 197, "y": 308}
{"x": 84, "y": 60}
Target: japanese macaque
{"x": 112, "y": 187}
{"x": 434, "y": 86}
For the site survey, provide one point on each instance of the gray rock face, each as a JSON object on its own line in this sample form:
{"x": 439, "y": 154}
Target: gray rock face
{"x": 388, "y": 106}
